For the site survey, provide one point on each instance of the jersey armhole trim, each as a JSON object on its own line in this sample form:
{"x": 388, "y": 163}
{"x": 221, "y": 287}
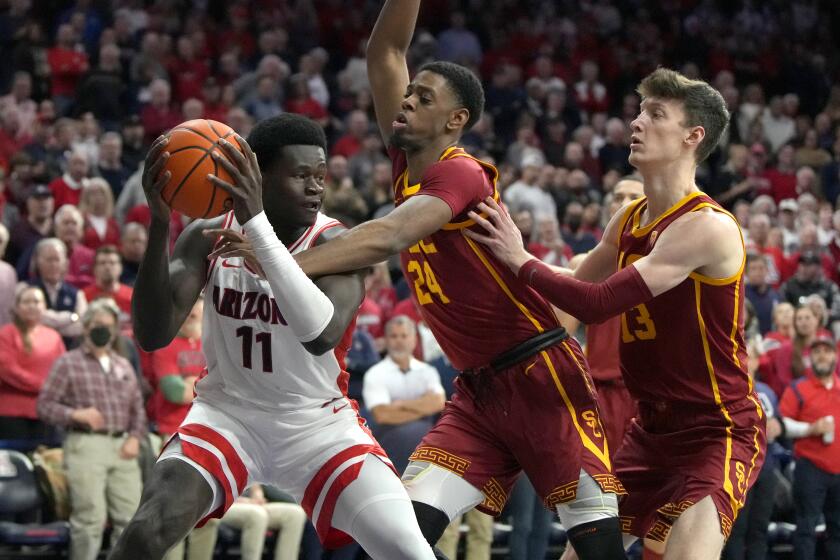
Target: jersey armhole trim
{"x": 702, "y": 278}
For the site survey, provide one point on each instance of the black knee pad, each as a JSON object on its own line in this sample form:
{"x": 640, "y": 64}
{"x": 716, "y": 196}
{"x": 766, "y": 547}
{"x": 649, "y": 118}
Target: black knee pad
{"x": 432, "y": 521}
{"x": 438, "y": 554}
{"x": 598, "y": 540}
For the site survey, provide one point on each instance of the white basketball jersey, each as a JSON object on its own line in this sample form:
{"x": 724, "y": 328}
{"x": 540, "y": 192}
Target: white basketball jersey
{"x": 251, "y": 353}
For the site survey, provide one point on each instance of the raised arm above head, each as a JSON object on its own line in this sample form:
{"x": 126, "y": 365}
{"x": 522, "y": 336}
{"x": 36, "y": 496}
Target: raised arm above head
{"x": 386, "y": 64}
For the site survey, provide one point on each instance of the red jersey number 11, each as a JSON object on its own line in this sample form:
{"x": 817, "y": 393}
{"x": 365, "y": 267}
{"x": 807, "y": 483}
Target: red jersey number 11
{"x": 425, "y": 282}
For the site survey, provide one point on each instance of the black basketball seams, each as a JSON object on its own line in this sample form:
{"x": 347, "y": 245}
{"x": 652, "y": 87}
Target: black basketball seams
{"x": 187, "y": 176}
{"x": 215, "y": 188}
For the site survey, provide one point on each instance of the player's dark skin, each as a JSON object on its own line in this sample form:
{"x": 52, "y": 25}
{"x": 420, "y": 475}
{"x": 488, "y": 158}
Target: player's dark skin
{"x": 177, "y": 496}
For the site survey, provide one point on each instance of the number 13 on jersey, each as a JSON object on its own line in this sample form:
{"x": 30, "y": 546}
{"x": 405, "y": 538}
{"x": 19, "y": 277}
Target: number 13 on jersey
{"x": 425, "y": 283}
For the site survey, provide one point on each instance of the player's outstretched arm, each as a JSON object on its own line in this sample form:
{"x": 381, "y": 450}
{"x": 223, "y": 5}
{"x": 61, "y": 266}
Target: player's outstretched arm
{"x": 165, "y": 290}
{"x": 387, "y": 68}
{"x": 346, "y": 292}
{"x": 374, "y": 241}
{"x": 677, "y": 254}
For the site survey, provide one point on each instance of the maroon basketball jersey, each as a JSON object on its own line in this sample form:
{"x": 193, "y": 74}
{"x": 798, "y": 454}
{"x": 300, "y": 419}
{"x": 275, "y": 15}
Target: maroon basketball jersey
{"x": 685, "y": 345}
{"x": 602, "y": 349}
{"x": 474, "y": 305}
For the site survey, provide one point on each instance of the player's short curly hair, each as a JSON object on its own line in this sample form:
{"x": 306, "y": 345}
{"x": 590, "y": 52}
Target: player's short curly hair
{"x": 269, "y": 136}
{"x": 703, "y": 105}
{"x": 464, "y": 83}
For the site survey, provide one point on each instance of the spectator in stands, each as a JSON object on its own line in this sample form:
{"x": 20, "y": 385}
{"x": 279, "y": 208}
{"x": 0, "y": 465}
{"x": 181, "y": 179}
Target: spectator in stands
{"x": 192, "y": 109}
{"x": 97, "y": 206}
{"x": 350, "y": 142}
{"x": 311, "y": 66}
{"x": 93, "y": 391}
{"x": 361, "y": 165}
{"x": 103, "y": 90}
{"x": 479, "y": 536}
{"x": 65, "y": 304}
{"x": 790, "y": 359}
{"x": 578, "y": 240}
{"x": 20, "y": 97}
{"x": 550, "y": 246}
{"x": 614, "y": 153}
{"x": 783, "y": 329}
{"x": 810, "y": 279}
{"x": 341, "y": 199}
{"x": 8, "y": 280}
{"x": 782, "y": 176}
{"x": 67, "y": 189}
{"x": 37, "y": 225}
{"x": 758, "y": 240}
{"x": 159, "y": 115}
{"x": 301, "y": 101}
{"x": 111, "y": 166}
{"x": 763, "y": 297}
{"x": 175, "y": 369}
{"x": 253, "y": 515}
{"x": 379, "y": 193}
{"x": 69, "y": 227}
{"x": 68, "y": 63}
{"x": 591, "y": 95}
{"x": 188, "y": 70}
{"x": 133, "y": 244}
{"x": 805, "y": 405}
{"x": 459, "y": 44}
{"x": 27, "y": 352}
{"x": 107, "y": 268}
{"x": 266, "y": 102}
{"x": 810, "y": 154}
{"x": 748, "y": 539}
{"x": 402, "y": 393}
{"x": 133, "y": 146}
{"x": 778, "y": 127}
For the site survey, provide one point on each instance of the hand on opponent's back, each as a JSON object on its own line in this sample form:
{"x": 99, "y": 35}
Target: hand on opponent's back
{"x": 503, "y": 237}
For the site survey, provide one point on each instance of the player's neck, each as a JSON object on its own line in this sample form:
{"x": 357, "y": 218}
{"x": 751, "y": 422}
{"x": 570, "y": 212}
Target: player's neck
{"x": 288, "y": 234}
{"x": 420, "y": 160}
{"x": 666, "y": 185}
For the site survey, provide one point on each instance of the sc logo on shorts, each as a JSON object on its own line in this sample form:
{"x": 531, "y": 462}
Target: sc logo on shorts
{"x": 592, "y": 421}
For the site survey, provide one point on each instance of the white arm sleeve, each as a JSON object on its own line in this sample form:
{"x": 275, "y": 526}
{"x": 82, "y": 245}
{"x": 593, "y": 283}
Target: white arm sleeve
{"x": 305, "y": 307}
{"x": 794, "y": 429}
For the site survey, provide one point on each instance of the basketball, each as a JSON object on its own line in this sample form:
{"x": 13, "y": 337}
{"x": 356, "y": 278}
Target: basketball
{"x": 189, "y": 191}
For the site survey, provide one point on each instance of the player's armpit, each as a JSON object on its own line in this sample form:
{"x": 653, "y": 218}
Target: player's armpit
{"x": 374, "y": 241}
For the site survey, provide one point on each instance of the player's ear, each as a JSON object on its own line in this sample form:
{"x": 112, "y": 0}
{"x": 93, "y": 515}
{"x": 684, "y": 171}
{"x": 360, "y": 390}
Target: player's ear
{"x": 695, "y": 135}
{"x": 458, "y": 119}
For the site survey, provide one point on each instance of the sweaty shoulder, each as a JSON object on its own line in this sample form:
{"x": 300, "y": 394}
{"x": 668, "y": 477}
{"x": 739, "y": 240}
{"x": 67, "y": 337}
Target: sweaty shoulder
{"x": 715, "y": 239}
{"x": 461, "y": 182}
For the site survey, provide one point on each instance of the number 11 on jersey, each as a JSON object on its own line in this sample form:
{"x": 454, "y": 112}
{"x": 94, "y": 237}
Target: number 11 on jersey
{"x": 263, "y": 339}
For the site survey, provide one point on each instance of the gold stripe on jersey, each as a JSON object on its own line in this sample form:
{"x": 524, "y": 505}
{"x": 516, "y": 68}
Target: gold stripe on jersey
{"x": 411, "y": 190}
{"x": 502, "y": 284}
{"x": 641, "y": 231}
{"x": 735, "y": 326}
{"x": 722, "y": 281}
{"x": 603, "y": 455}
{"x": 727, "y": 482}
{"x": 632, "y": 206}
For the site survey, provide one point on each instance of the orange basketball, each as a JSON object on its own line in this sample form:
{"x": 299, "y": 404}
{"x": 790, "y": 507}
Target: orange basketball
{"x": 189, "y": 191}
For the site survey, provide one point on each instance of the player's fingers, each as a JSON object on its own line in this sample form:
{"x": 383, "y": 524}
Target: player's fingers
{"x": 485, "y": 239}
{"x": 233, "y": 154}
{"x": 159, "y": 162}
{"x": 221, "y": 232}
{"x": 491, "y": 202}
{"x": 234, "y": 170}
{"x": 161, "y": 181}
{"x": 246, "y": 149}
{"x": 227, "y": 187}
{"x": 480, "y": 220}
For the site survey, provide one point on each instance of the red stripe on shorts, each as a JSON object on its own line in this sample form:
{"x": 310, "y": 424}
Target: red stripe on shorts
{"x": 335, "y": 538}
{"x": 209, "y": 461}
{"x": 214, "y": 438}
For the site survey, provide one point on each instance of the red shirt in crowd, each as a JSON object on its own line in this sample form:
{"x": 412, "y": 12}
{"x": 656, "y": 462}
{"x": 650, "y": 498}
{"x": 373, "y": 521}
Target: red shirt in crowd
{"x": 80, "y": 266}
{"x": 92, "y": 239}
{"x": 347, "y": 146}
{"x": 817, "y": 401}
{"x": 122, "y": 296}
{"x": 65, "y": 191}
{"x": 307, "y": 107}
{"x": 23, "y": 373}
{"x": 188, "y": 77}
{"x": 183, "y": 357}
{"x": 66, "y": 68}
{"x": 782, "y": 185}
{"x": 156, "y": 121}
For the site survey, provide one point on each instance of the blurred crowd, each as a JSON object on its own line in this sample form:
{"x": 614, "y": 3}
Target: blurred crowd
{"x": 86, "y": 85}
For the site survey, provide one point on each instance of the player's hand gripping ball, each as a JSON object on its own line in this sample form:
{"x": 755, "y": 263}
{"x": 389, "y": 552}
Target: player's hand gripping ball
{"x": 188, "y": 190}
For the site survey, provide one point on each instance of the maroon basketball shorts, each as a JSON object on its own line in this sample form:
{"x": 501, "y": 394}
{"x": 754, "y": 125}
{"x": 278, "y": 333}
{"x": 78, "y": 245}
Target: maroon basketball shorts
{"x": 538, "y": 416}
{"x": 618, "y": 408}
{"x": 676, "y": 454}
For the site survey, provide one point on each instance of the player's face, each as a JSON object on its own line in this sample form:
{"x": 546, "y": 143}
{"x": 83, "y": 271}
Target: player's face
{"x": 426, "y": 109}
{"x": 624, "y": 192}
{"x": 659, "y": 136}
{"x": 293, "y": 190}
